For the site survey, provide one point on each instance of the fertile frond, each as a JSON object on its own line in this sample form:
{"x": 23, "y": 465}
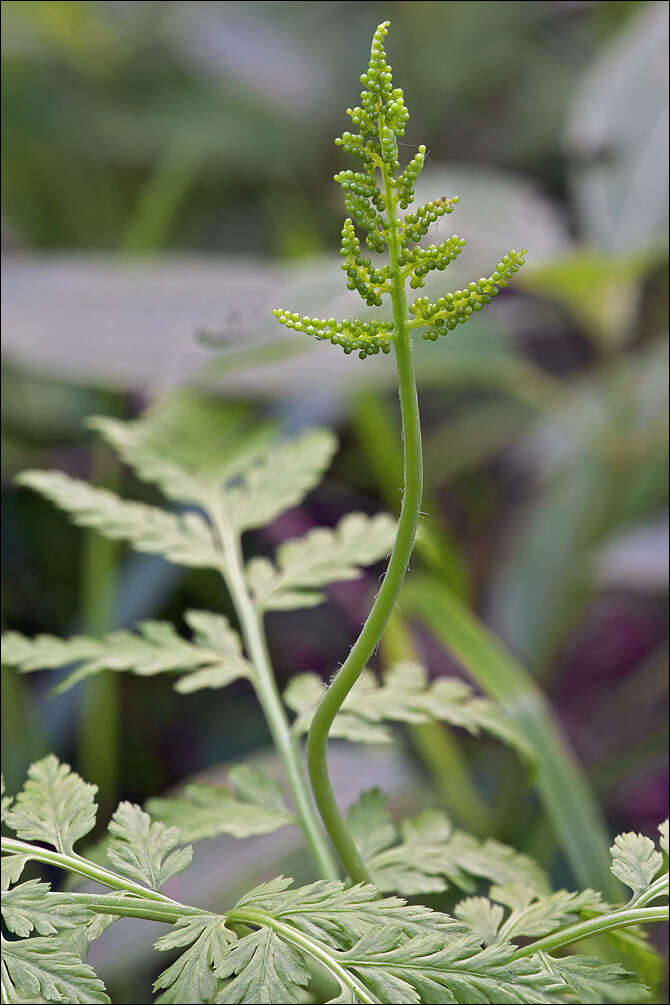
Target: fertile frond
{"x": 417, "y": 224}
{"x": 530, "y": 913}
{"x": 322, "y": 556}
{"x": 31, "y": 907}
{"x": 190, "y": 980}
{"x": 426, "y": 854}
{"x": 368, "y": 337}
{"x": 214, "y": 658}
{"x": 456, "y": 308}
{"x": 403, "y": 696}
{"x": 637, "y": 862}
{"x": 55, "y": 806}
{"x": 203, "y": 811}
{"x": 143, "y": 849}
{"x": 40, "y": 970}
{"x": 185, "y": 539}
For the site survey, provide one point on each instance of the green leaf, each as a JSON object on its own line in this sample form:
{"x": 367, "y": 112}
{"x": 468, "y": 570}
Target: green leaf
{"x": 12, "y": 867}
{"x": 39, "y": 969}
{"x": 635, "y": 861}
{"x": 55, "y": 806}
{"x": 214, "y": 657}
{"x": 591, "y": 981}
{"x": 183, "y": 539}
{"x": 143, "y": 849}
{"x": 268, "y": 969}
{"x": 253, "y": 786}
{"x": 31, "y": 907}
{"x": 376, "y": 950}
{"x": 166, "y": 446}
{"x": 279, "y": 480}
{"x": 428, "y": 854}
{"x": 190, "y": 979}
{"x": 423, "y": 969}
{"x": 664, "y": 831}
{"x": 531, "y": 914}
{"x": 204, "y": 811}
{"x": 323, "y": 556}
{"x": 404, "y": 695}
{"x": 483, "y": 917}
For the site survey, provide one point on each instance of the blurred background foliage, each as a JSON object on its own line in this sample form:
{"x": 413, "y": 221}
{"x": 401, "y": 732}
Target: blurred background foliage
{"x": 167, "y": 171}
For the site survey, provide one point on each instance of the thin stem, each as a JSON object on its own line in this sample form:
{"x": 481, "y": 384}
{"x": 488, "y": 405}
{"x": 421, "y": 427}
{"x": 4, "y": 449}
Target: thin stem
{"x": 594, "y": 926}
{"x": 365, "y": 645}
{"x": 130, "y": 907}
{"x": 268, "y": 694}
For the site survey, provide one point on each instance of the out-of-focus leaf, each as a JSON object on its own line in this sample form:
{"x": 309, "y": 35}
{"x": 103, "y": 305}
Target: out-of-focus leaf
{"x": 618, "y": 130}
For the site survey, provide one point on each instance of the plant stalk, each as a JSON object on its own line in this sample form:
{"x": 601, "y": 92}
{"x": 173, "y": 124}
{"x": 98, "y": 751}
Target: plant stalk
{"x": 268, "y": 694}
{"x": 365, "y": 645}
{"x": 594, "y": 926}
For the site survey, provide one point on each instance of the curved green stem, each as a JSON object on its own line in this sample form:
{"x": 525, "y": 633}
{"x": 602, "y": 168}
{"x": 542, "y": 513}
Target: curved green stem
{"x": 265, "y": 685}
{"x": 594, "y": 926}
{"x": 368, "y": 640}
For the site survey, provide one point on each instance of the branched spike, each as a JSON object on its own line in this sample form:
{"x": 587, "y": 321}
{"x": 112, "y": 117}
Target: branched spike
{"x": 456, "y": 308}
{"x": 368, "y": 337}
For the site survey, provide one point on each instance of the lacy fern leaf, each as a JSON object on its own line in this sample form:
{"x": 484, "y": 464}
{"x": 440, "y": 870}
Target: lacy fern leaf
{"x": 55, "y": 806}
{"x": 323, "y": 556}
{"x": 185, "y": 540}
{"x": 530, "y": 914}
{"x": 40, "y": 970}
{"x": 590, "y": 981}
{"x": 404, "y": 695}
{"x": 190, "y": 980}
{"x": 203, "y": 811}
{"x": 636, "y": 861}
{"x": 426, "y": 853}
{"x": 214, "y": 657}
{"x": 30, "y": 907}
{"x": 144, "y": 849}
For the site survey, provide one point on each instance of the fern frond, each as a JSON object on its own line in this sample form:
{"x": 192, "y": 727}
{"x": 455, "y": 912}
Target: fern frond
{"x": 404, "y": 695}
{"x": 190, "y": 979}
{"x": 144, "y": 849}
{"x": 279, "y": 479}
{"x": 214, "y": 657}
{"x": 636, "y": 861}
{"x": 376, "y": 951}
{"x": 40, "y": 970}
{"x": 185, "y": 539}
{"x": 31, "y": 907}
{"x": 55, "y": 806}
{"x": 203, "y": 811}
{"x": 427, "y": 854}
{"x": 530, "y": 914}
{"x": 322, "y": 556}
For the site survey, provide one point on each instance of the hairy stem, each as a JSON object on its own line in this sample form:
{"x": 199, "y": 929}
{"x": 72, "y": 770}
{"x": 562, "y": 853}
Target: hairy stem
{"x": 268, "y": 694}
{"x": 371, "y": 633}
{"x": 594, "y": 926}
